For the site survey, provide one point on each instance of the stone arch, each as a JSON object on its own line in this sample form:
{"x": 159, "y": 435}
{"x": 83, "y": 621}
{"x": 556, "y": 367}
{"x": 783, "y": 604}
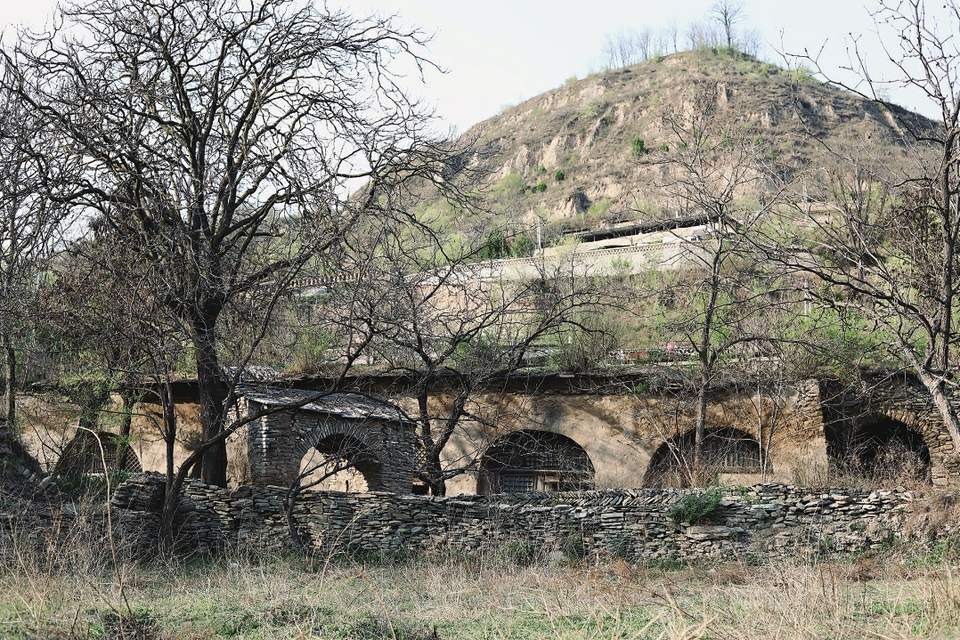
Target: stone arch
{"x": 879, "y": 448}
{"x": 276, "y": 444}
{"x": 725, "y": 450}
{"x": 534, "y": 460}
{"x": 341, "y": 462}
{"x": 82, "y": 455}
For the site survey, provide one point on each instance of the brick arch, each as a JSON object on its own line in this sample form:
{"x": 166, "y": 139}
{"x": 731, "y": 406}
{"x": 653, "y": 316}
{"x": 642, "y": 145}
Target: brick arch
{"x": 337, "y": 449}
{"x": 311, "y": 437}
{"x": 905, "y": 400}
{"x": 534, "y": 460}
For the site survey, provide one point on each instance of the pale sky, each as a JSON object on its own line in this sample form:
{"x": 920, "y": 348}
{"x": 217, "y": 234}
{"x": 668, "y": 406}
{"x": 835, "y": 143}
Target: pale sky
{"x": 502, "y": 52}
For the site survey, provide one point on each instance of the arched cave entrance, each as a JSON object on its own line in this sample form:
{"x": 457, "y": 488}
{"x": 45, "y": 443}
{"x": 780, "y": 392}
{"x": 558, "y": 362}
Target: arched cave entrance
{"x": 340, "y": 462}
{"x": 725, "y": 450}
{"x": 877, "y": 451}
{"x": 525, "y": 461}
{"x": 82, "y": 455}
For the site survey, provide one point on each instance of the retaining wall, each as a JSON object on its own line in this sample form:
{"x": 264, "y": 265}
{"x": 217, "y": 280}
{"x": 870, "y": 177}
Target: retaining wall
{"x": 768, "y": 519}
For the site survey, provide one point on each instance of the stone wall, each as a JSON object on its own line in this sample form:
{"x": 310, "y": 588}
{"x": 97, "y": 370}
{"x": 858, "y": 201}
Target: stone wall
{"x": 768, "y": 519}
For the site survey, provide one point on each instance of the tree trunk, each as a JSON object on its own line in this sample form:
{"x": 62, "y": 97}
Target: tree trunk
{"x": 128, "y": 398}
{"x": 701, "y": 429}
{"x": 9, "y": 410}
{"x": 948, "y": 414}
{"x": 213, "y": 392}
{"x": 169, "y": 428}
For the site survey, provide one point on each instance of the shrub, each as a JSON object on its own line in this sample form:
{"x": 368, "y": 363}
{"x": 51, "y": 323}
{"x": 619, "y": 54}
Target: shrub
{"x": 523, "y": 246}
{"x": 559, "y": 175}
{"x": 664, "y": 147}
{"x": 510, "y": 184}
{"x": 541, "y": 169}
{"x": 496, "y": 246}
{"x": 638, "y": 147}
{"x": 698, "y": 508}
{"x": 540, "y": 188}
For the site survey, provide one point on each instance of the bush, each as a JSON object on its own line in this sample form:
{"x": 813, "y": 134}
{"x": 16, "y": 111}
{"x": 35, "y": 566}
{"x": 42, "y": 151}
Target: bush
{"x": 540, "y": 188}
{"x": 496, "y": 246}
{"x": 664, "y": 147}
{"x": 698, "y": 508}
{"x": 559, "y": 175}
{"x": 572, "y": 546}
{"x": 638, "y": 147}
{"x": 523, "y": 246}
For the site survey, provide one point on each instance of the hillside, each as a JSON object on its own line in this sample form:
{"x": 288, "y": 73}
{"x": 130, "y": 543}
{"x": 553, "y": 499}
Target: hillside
{"x": 567, "y": 156}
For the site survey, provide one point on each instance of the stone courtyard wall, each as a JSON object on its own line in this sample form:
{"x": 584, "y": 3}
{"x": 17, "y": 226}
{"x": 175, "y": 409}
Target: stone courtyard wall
{"x": 769, "y": 519}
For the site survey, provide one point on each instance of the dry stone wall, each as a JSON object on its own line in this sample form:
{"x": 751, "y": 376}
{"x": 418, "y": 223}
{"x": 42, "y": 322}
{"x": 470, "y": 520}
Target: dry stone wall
{"x": 767, "y": 519}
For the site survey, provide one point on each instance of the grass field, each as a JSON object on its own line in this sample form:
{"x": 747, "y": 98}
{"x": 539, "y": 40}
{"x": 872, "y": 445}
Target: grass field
{"x": 899, "y": 592}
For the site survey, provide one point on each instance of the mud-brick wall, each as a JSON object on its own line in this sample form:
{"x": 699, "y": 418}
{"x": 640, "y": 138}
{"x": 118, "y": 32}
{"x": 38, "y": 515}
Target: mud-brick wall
{"x": 770, "y": 519}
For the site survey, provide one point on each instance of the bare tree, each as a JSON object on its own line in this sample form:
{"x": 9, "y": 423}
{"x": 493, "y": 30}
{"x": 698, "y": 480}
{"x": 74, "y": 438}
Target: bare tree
{"x": 221, "y": 137}
{"x": 702, "y": 35}
{"x": 671, "y": 35}
{"x": 449, "y": 326}
{"x": 881, "y": 247}
{"x": 716, "y": 292}
{"x": 27, "y": 237}
{"x": 728, "y": 13}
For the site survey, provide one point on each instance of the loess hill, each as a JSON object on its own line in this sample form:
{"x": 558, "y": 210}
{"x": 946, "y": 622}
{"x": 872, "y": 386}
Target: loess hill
{"x": 569, "y": 156}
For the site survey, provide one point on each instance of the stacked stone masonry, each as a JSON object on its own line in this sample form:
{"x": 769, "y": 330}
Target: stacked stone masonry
{"x": 768, "y": 519}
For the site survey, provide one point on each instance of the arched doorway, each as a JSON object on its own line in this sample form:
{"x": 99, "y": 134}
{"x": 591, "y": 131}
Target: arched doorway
{"x": 725, "y": 450}
{"x": 876, "y": 451}
{"x": 525, "y": 461}
{"x": 340, "y": 462}
{"x": 82, "y": 455}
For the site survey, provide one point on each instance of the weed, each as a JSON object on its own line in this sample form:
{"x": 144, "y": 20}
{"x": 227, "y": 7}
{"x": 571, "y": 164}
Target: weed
{"x": 522, "y": 553}
{"x": 698, "y": 507}
{"x": 572, "y": 547}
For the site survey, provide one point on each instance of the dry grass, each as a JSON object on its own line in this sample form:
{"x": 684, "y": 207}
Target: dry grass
{"x": 53, "y": 592}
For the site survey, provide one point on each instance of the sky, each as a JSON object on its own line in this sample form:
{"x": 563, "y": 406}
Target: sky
{"x": 497, "y": 53}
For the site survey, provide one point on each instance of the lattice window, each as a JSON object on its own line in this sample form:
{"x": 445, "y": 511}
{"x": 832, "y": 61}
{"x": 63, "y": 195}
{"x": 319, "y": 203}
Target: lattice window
{"x": 535, "y": 461}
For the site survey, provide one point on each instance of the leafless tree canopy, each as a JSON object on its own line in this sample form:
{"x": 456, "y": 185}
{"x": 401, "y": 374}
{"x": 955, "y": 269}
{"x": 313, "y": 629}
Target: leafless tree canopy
{"x": 728, "y": 13}
{"x": 886, "y": 251}
{"x": 220, "y": 138}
